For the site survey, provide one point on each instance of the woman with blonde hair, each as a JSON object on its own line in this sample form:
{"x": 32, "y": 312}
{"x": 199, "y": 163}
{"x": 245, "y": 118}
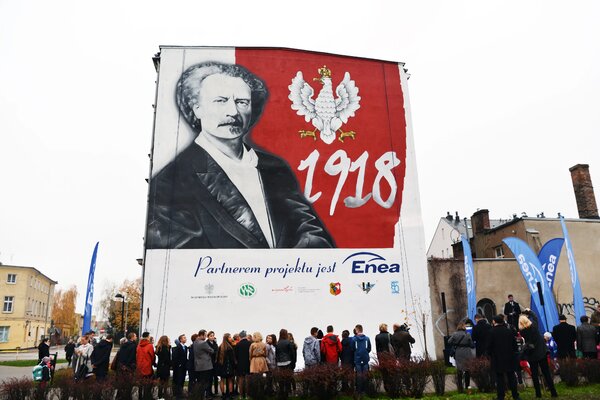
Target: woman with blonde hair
{"x": 258, "y": 355}
{"x": 535, "y": 353}
{"x": 163, "y": 365}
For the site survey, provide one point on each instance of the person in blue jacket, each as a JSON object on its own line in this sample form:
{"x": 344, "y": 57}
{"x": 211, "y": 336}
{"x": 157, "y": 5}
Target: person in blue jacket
{"x": 362, "y": 348}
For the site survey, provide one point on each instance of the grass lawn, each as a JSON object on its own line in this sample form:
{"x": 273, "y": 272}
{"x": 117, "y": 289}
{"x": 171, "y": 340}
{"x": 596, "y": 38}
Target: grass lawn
{"x": 24, "y": 363}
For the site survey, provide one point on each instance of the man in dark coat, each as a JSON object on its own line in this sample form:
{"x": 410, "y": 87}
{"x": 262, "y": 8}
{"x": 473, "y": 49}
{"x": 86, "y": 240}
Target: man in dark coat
{"x": 126, "y": 357}
{"x": 100, "y": 358}
{"x": 69, "y": 350}
{"x": 220, "y": 192}
{"x": 502, "y": 347}
{"x": 586, "y": 338}
{"x": 43, "y": 350}
{"x": 242, "y": 356}
{"x": 564, "y": 335}
{"x": 480, "y": 334}
{"x": 179, "y": 357}
{"x": 401, "y": 341}
{"x": 512, "y": 310}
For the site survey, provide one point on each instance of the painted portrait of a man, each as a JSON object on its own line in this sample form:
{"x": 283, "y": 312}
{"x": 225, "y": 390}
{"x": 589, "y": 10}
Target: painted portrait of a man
{"x": 221, "y": 192}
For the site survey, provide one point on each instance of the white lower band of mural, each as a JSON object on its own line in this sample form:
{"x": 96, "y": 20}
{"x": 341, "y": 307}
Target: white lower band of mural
{"x": 266, "y": 290}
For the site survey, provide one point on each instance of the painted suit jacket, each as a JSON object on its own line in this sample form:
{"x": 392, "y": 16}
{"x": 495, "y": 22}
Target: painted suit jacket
{"x": 194, "y": 205}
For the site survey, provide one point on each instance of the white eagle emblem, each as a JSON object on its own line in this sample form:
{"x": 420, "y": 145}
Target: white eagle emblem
{"x": 327, "y": 113}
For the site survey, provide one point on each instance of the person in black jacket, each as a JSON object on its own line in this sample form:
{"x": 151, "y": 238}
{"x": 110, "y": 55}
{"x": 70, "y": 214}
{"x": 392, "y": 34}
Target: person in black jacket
{"x": 383, "y": 343}
{"x": 126, "y": 357}
{"x": 242, "y": 357}
{"x": 502, "y": 347}
{"x": 69, "y": 350}
{"x": 402, "y": 341}
{"x": 480, "y": 334}
{"x": 193, "y": 376}
{"x": 535, "y": 354}
{"x": 43, "y": 350}
{"x": 285, "y": 355}
{"x": 100, "y": 358}
{"x": 565, "y": 336}
{"x": 179, "y": 360}
{"x": 214, "y": 386}
{"x": 163, "y": 364}
{"x": 512, "y": 310}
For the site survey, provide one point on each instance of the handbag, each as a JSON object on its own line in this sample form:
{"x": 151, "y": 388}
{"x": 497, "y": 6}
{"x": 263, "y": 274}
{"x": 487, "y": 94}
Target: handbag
{"x": 82, "y": 370}
{"x": 452, "y": 351}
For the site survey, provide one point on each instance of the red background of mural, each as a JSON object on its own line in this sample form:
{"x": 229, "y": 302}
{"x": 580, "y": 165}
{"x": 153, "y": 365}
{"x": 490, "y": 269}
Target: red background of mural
{"x": 379, "y": 123}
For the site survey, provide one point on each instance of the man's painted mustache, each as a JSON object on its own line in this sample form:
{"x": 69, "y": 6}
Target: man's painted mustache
{"x": 234, "y": 121}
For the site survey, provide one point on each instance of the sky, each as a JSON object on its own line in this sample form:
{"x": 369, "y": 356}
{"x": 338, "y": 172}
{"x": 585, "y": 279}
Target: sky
{"x": 504, "y": 99}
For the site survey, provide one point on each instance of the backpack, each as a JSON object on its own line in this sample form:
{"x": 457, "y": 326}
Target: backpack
{"x": 38, "y": 372}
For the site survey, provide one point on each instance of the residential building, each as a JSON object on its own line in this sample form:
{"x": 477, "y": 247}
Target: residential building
{"x": 497, "y": 273}
{"x": 26, "y": 296}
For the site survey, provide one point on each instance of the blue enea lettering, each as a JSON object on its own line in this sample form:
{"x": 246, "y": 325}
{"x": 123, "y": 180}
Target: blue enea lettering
{"x": 371, "y": 263}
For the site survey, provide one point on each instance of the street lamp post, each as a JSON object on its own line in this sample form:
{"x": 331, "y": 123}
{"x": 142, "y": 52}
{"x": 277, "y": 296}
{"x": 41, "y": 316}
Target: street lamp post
{"x": 122, "y": 297}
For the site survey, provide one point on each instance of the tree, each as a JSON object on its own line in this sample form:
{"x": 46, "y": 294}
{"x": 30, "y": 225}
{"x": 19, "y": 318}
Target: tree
{"x": 63, "y": 311}
{"x": 111, "y": 307}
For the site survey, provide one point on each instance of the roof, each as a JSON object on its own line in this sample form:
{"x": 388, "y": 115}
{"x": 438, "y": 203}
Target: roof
{"x": 460, "y": 224}
{"x": 538, "y": 219}
{"x": 35, "y": 269}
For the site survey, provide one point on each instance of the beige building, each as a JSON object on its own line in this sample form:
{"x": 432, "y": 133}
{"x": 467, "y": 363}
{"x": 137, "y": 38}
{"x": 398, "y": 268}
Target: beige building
{"x": 26, "y": 296}
{"x": 497, "y": 273}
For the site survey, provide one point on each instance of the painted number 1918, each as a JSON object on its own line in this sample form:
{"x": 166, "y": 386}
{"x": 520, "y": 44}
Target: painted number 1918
{"x": 340, "y": 164}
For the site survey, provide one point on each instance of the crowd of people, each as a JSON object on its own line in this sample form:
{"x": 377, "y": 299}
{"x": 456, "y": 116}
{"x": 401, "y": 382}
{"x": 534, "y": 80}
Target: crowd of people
{"x": 224, "y": 368}
{"x": 515, "y": 345}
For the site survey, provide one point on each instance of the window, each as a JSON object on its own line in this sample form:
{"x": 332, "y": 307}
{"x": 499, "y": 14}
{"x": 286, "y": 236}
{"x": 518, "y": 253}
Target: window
{"x": 499, "y": 251}
{"x": 8, "y": 303}
{"x": 12, "y": 278}
{"x": 4, "y": 334}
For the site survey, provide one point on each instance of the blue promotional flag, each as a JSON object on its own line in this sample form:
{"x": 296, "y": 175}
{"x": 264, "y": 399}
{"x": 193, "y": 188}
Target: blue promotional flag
{"x": 469, "y": 279}
{"x": 577, "y": 295}
{"x": 532, "y": 272}
{"x": 89, "y": 297}
{"x": 549, "y": 256}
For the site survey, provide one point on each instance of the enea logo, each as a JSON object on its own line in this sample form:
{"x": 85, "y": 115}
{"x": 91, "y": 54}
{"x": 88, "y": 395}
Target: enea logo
{"x": 335, "y": 288}
{"x": 247, "y": 290}
{"x": 366, "y": 263}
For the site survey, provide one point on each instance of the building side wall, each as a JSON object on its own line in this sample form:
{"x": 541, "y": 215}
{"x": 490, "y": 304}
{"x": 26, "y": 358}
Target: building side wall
{"x": 32, "y": 302}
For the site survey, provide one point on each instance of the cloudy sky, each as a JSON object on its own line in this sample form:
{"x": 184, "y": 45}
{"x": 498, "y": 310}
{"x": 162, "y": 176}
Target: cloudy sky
{"x": 505, "y": 98}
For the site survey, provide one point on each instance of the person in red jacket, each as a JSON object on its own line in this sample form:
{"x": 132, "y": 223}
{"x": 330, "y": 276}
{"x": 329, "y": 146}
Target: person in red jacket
{"x": 145, "y": 357}
{"x": 331, "y": 347}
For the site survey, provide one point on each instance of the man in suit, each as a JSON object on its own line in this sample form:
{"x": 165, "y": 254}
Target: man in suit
{"x": 202, "y": 362}
{"x": 220, "y": 192}
{"x": 242, "y": 358}
{"x": 564, "y": 335}
{"x": 512, "y": 310}
{"x": 501, "y": 347}
{"x": 179, "y": 357}
{"x": 480, "y": 335}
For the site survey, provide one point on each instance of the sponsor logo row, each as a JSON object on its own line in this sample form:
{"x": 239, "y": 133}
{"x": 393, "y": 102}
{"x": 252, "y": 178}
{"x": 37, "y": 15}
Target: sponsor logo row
{"x": 248, "y": 289}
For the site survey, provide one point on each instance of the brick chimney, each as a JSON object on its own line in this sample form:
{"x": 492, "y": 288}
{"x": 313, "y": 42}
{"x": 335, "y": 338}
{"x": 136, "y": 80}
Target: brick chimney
{"x": 584, "y": 191}
{"x": 480, "y": 221}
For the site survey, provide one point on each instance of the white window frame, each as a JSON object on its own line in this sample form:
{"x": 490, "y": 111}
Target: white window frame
{"x": 14, "y": 279}
{"x": 4, "y": 333}
{"x": 499, "y": 252}
{"x": 9, "y": 304}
